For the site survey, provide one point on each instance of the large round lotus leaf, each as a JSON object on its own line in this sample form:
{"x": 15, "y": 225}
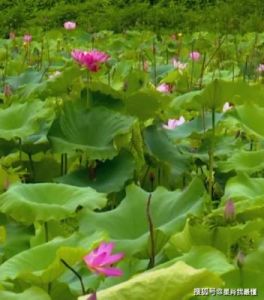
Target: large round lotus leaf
{"x": 21, "y": 120}
{"x": 128, "y": 223}
{"x": 92, "y": 131}
{"x": 47, "y": 201}
{"x": 197, "y": 125}
{"x": 32, "y": 293}
{"x": 217, "y": 92}
{"x": 175, "y": 282}
{"x": 251, "y": 117}
{"x": 29, "y": 76}
{"x": 146, "y": 104}
{"x": 204, "y": 257}
{"x": 41, "y": 264}
{"x": 103, "y": 95}
{"x": 243, "y": 161}
{"x": 220, "y": 237}
{"x": 162, "y": 148}
{"x": 109, "y": 176}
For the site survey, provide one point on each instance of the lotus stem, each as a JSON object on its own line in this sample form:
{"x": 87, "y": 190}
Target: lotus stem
{"x": 151, "y": 232}
{"x": 154, "y": 62}
{"x": 202, "y": 71}
{"x": 75, "y": 273}
{"x": 31, "y": 162}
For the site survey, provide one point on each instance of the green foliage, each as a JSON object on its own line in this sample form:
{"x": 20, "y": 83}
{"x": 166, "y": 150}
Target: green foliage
{"x": 180, "y": 15}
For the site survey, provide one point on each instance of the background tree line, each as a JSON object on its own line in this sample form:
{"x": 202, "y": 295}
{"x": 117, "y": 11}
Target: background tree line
{"x": 118, "y": 15}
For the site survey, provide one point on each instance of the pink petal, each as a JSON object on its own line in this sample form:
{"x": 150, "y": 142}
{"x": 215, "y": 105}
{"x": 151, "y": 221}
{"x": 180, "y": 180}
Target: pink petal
{"x": 106, "y": 247}
{"x": 108, "y": 271}
{"x": 114, "y": 258}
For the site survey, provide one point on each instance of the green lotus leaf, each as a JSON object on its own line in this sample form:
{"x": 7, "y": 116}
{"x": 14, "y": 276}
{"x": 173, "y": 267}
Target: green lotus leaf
{"x": 61, "y": 84}
{"x": 31, "y": 293}
{"x": 42, "y": 264}
{"x": 47, "y": 201}
{"x": 242, "y": 187}
{"x": 75, "y": 130}
{"x": 2, "y": 234}
{"x": 197, "y": 125}
{"x": 21, "y": 120}
{"x": 161, "y": 147}
{"x": 250, "y": 276}
{"x": 243, "y": 161}
{"x": 204, "y": 257}
{"x": 217, "y": 92}
{"x": 220, "y": 237}
{"x": 146, "y": 104}
{"x": 29, "y": 76}
{"x": 110, "y": 176}
{"x": 175, "y": 282}
{"x": 100, "y": 94}
{"x": 161, "y": 71}
{"x": 128, "y": 225}
{"x": 251, "y": 117}
{"x": 17, "y": 238}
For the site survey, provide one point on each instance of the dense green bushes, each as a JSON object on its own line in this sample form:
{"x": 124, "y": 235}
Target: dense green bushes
{"x": 93, "y": 15}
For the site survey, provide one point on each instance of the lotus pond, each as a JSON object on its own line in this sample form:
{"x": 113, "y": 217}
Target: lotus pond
{"x": 132, "y": 166}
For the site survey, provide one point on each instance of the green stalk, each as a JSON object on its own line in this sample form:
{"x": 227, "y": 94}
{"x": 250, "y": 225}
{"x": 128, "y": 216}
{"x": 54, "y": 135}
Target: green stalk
{"x": 155, "y": 62}
{"x": 211, "y": 157}
{"x": 151, "y": 233}
{"x": 76, "y": 274}
{"x": 31, "y": 162}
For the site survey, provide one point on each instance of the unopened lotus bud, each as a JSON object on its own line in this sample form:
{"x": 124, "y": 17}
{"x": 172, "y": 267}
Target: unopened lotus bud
{"x": 229, "y": 212}
{"x": 92, "y": 297}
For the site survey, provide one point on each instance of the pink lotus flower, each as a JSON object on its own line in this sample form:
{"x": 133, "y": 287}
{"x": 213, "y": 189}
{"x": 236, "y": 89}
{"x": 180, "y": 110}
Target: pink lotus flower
{"x": 90, "y": 59}
{"x": 69, "y": 25}
{"x": 164, "y": 88}
{"x": 100, "y": 260}
{"x": 229, "y": 212}
{"x": 195, "y": 55}
{"x": 226, "y": 106}
{"x": 178, "y": 65}
{"x": 260, "y": 68}
{"x": 173, "y": 123}
{"x": 27, "y": 38}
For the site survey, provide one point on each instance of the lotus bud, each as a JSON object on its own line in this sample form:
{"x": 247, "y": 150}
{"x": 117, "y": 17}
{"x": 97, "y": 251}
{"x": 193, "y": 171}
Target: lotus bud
{"x": 69, "y": 25}
{"x": 195, "y": 55}
{"x": 229, "y": 212}
{"x": 92, "y": 297}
